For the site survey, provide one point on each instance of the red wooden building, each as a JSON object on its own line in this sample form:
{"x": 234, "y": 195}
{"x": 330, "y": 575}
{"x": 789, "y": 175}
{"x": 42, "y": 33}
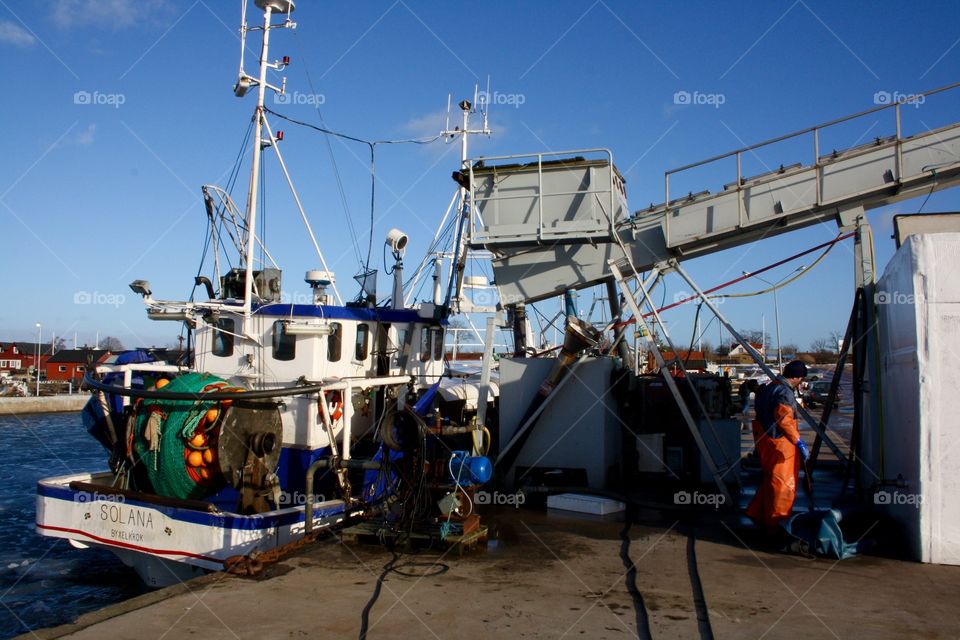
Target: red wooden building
{"x": 21, "y": 356}
{"x": 72, "y": 364}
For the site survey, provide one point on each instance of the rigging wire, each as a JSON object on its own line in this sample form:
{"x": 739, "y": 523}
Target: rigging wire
{"x": 333, "y": 159}
{"x": 729, "y": 283}
{"x": 371, "y": 145}
{"x": 775, "y": 287}
{"x": 213, "y": 223}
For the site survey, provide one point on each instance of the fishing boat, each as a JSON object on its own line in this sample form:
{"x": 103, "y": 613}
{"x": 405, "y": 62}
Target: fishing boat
{"x": 290, "y": 418}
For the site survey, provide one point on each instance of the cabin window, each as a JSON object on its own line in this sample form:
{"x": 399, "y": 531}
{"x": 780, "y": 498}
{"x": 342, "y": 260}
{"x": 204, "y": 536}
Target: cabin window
{"x": 362, "y": 347}
{"x": 223, "y": 332}
{"x": 424, "y": 344}
{"x": 62, "y": 369}
{"x": 81, "y": 368}
{"x": 438, "y": 344}
{"x": 284, "y": 344}
{"x": 335, "y": 342}
{"x": 401, "y": 341}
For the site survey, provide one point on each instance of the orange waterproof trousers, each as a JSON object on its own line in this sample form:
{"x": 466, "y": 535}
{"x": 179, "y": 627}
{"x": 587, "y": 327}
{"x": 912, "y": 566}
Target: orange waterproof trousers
{"x": 780, "y": 461}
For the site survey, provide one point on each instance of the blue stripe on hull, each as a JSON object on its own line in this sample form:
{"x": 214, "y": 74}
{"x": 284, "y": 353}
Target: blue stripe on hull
{"x": 224, "y": 520}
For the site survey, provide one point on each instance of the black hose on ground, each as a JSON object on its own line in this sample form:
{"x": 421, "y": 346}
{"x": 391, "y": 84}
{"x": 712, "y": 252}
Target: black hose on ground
{"x": 699, "y": 600}
{"x": 630, "y": 579}
{"x": 365, "y": 616}
{"x": 435, "y": 569}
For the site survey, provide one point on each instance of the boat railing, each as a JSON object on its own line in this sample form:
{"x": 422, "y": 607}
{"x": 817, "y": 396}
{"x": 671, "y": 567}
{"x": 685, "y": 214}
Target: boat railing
{"x": 887, "y": 103}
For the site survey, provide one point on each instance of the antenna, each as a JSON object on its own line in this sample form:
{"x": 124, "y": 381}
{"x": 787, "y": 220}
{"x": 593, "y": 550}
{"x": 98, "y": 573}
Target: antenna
{"x": 486, "y": 108}
{"x": 446, "y": 127}
{"x": 243, "y": 35}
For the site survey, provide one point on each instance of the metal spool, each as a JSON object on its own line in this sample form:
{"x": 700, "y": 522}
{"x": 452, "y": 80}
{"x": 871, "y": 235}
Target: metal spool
{"x": 249, "y": 426}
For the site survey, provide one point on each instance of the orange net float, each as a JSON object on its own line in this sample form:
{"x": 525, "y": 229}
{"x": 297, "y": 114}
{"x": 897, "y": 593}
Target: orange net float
{"x": 192, "y": 471}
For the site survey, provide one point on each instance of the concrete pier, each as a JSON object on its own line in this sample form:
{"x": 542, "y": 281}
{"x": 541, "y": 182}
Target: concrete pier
{"x": 552, "y": 575}
{"x": 43, "y": 404}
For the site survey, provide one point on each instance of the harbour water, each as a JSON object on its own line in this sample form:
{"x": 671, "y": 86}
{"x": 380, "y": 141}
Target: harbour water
{"x": 45, "y": 581}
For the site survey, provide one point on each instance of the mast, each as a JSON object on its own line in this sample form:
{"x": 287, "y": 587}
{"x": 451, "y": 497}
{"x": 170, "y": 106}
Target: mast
{"x": 243, "y": 84}
{"x": 459, "y": 258}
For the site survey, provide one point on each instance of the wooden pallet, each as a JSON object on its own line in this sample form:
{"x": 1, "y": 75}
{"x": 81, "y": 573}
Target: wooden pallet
{"x": 379, "y": 533}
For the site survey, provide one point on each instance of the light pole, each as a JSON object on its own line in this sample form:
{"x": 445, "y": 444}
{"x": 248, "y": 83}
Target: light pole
{"x": 37, "y": 358}
{"x": 776, "y": 309}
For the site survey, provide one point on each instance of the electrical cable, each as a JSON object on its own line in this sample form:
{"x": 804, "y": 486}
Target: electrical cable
{"x": 371, "y": 144}
{"x": 781, "y": 284}
{"x": 745, "y": 277}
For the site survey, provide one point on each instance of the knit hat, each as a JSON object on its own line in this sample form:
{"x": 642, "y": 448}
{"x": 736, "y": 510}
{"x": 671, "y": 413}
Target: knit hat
{"x": 795, "y": 369}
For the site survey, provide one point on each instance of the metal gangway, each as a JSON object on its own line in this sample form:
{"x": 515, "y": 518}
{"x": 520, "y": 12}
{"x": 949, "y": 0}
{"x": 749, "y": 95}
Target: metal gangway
{"x": 553, "y": 221}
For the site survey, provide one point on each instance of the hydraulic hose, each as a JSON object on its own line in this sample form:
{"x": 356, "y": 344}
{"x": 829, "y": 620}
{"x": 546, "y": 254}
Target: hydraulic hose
{"x": 156, "y": 394}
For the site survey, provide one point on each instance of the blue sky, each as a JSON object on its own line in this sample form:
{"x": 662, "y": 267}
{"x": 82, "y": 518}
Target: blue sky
{"x": 94, "y": 194}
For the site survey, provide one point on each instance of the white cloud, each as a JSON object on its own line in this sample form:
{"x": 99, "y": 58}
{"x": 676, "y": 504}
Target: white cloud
{"x": 115, "y": 14}
{"x": 14, "y": 34}
{"x": 430, "y": 124}
{"x": 86, "y": 137}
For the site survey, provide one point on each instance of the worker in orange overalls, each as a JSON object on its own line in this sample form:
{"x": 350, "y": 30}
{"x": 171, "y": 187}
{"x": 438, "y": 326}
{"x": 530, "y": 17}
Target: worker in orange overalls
{"x": 779, "y": 447}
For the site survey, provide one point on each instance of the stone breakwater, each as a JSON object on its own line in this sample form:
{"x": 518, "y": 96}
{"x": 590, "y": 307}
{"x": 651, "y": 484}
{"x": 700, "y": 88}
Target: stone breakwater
{"x": 43, "y": 404}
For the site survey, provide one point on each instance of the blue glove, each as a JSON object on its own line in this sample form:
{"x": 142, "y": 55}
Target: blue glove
{"x": 804, "y": 452}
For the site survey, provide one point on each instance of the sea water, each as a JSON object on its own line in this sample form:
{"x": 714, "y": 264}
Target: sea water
{"x": 45, "y": 581}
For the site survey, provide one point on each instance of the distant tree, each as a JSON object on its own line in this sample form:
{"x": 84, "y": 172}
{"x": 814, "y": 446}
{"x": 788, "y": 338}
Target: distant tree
{"x": 111, "y": 344}
{"x": 806, "y": 358}
{"x": 755, "y": 336}
{"x": 791, "y": 348}
{"x": 59, "y": 344}
{"x": 835, "y": 338}
{"x": 822, "y": 345}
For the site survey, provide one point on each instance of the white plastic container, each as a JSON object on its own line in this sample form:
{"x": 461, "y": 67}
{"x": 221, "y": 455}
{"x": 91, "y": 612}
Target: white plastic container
{"x": 595, "y": 505}
{"x": 918, "y": 311}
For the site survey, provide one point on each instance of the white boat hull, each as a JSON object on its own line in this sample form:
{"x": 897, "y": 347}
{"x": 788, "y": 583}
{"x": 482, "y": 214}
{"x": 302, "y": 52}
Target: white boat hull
{"x": 165, "y": 544}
